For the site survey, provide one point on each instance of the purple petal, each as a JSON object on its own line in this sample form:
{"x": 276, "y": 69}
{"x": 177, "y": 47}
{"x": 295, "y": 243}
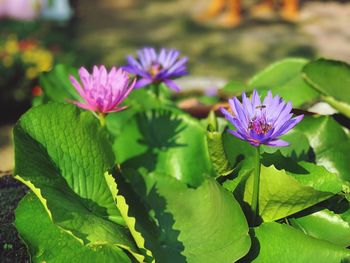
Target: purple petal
{"x": 274, "y": 108}
{"x": 233, "y": 120}
{"x": 282, "y": 121}
{"x": 171, "y": 57}
{"x": 171, "y": 84}
{"x": 268, "y": 99}
{"x": 284, "y": 112}
{"x": 147, "y": 56}
{"x": 256, "y": 144}
{"x": 237, "y": 134}
{"x": 260, "y": 137}
{"x": 288, "y": 126}
{"x": 142, "y": 58}
{"x": 247, "y": 105}
{"x": 237, "y": 109}
{"x": 181, "y": 73}
{"x": 274, "y": 111}
{"x": 256, "y": 99}
{"x": 177, "y": 65}
{"x": 162, "y": 56}
{"x": 153, "y": 54}
{"x": 174, "y": 57}
{"x": 277, "y": 143}
{"x": 142, "y": 82}
{"x": 136, "y": 71}
{"x": 133, "y": 62}
{"x": 227, "y": 114}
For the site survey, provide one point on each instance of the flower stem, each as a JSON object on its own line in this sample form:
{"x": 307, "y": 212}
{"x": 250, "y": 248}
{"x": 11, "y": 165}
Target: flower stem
{"x": 102, "y": 119}
{"x": 256, "y": 186}
{"x": 156, "y": 90}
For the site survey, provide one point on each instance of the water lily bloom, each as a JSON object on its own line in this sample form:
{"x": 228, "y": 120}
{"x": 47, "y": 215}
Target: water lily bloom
{"x": 261, "y": 122}
{"x": 102, "y": 91}
{"x": 153, "y": 67}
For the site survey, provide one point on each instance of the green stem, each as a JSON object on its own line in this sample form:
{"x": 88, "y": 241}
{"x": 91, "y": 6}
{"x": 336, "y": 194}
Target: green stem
{"x": 101, "y": 118}
{"x": 156, "y": 90}
{"x": 256, "y": 186}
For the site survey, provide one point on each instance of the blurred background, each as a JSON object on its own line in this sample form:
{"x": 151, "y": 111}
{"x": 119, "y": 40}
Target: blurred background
{"x": 224, "y": 40}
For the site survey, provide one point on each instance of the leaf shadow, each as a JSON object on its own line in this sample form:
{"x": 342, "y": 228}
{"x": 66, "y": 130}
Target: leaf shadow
{"x": 149, "y": 209}
{"x": 254, "y": 249}
{"x": 281, "y": 162}
{"x": 160, "y": 131}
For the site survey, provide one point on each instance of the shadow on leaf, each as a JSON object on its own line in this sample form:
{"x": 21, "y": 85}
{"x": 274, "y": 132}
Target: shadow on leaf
{"x": 152, "y": 220}
{"x": 160, "y": 129}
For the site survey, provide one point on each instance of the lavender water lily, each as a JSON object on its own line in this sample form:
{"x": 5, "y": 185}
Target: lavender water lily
{"x": 152, "y": 67}
{"x": 260, "y": 122}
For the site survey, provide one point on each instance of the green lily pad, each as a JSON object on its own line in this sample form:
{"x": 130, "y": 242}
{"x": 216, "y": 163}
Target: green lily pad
{"x": 275, "y": 242}
{"x": 49, "y": 243}
{"x": 61, "y": 154}
{"x": 174, "y": 219}
{"x": 325, "y": 225}
{"x": 330, "y": 143}
{"x": 165, "y": 142}
{"x": 285, "y": 79}
{"x": 56, "y": 84}
{"x": 332, "y": 79}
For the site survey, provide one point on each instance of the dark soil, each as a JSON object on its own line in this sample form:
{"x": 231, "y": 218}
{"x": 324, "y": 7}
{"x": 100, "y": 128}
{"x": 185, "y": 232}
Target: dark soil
{"x": 12, "y": 248}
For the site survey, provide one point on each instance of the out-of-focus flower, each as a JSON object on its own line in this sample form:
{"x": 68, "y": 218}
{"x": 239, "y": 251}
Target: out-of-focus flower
{"x": 27, "y": 44}
{"x": 7, "y": 61}
{"x": 59, "y": 10}
{"x": 23, "y": 9}
{"x": 11, "y": 45}
{"x": 261, "y": 123}
{"x": 152, "y": 67}
{"x": 102, "y": 91}
{"x": 39, "y": 60}
{"x": 28, "y": 53}
{"x": 211, "y": 91}
{"x": 37, "y": 91}
{"x": 2, "y": 8}
{"x": 25, "y": 59}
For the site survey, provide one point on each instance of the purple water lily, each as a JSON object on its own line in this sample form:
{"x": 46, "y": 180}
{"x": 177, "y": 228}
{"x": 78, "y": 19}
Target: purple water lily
{"x": 102, "y": 91}
{"x": 153, "y": 67}
{"x": 261, "y": 123}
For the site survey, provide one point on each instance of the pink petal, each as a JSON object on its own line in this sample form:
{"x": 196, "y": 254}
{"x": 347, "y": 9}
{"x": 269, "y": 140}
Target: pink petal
{"x": 84, "y": 106}
{"x": 117, "y": 109}
{"x": 83, "y": 73}
{"x": 77, "y": 86}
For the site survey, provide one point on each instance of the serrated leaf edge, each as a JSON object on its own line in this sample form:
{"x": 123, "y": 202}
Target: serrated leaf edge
{"x": 130, "y": 221}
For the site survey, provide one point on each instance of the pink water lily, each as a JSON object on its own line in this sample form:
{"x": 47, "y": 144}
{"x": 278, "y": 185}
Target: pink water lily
{"x": 103, "y": 91}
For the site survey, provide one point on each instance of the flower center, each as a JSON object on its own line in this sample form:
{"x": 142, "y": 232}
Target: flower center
{"x": 259, "y": 126}
{"x": 259, "y": 123}
{"x": 155, "y": 69}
